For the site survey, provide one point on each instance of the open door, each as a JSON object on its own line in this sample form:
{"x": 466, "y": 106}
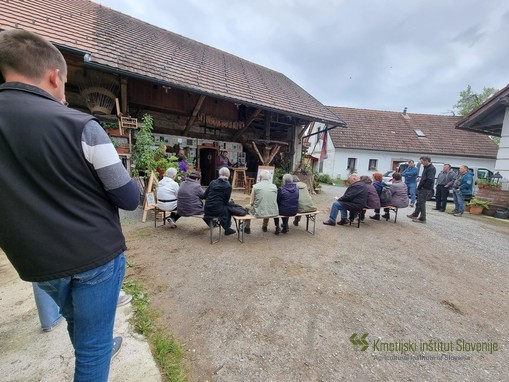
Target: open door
{"x": 206, "y": 159}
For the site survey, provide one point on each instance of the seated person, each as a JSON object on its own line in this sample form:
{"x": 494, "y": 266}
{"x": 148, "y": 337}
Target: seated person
{"x": 190, "y": 196}
{"x": 263, "y": 202}
{"x": 354, "y": 199}
{"x": 373, "y": 198}
{"x": 217, "y": 197}
{"x": 167, "y": 192}
{"x": 399, "y": 192}
{"x": 305, "y": 202}
{"x": 287, "y": 202}
{"x": 182, "y": 162}
{"x": 379, "y": 184}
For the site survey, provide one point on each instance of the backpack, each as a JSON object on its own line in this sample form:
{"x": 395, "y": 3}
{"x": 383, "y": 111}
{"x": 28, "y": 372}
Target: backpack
{"x": 386, "y": 194}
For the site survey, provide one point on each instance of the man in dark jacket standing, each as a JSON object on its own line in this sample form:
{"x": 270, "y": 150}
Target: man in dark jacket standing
{"x": 354, "y": 199}
{"x": 61, "y": 173}
{"x": 424, "y": 190}
{"x": 217, "y": 197}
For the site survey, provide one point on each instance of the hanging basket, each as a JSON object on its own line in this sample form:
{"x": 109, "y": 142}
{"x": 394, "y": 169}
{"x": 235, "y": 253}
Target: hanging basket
{"x": 99, "y": 93}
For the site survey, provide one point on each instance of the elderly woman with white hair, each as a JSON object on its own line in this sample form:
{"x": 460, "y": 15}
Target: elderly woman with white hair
{"x": 287, "y": 201}
{"x": 167, "y": 191}
{"x": 217, "y": 197}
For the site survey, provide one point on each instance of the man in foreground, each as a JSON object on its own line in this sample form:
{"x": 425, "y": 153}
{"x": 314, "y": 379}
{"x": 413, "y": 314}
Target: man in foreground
{"x": 354, "y": 199}
{"x": 62, "y": 185}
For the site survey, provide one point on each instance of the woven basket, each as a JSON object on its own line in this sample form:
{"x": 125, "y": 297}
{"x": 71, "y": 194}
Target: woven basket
{"x": 99, "y": 94}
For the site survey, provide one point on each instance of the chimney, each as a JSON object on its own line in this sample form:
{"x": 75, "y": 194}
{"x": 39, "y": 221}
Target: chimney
{"x": 404, "y": 111}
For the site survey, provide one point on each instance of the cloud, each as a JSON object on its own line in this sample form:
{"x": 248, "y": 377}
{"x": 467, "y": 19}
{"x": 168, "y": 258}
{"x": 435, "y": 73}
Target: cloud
{"x": 367, "y": 54}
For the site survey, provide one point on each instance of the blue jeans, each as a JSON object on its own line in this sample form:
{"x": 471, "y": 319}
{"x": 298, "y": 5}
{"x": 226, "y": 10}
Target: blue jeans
{"x": 47, "y": 309}
{"x": 459, "y": 201}
{"x": 336, "y": 207}
{"x": 411, "y": 191}
{"x": 88, "y": 301}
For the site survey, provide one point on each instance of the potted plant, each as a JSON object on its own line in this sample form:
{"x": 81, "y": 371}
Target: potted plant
{"x": 477, "y": 205}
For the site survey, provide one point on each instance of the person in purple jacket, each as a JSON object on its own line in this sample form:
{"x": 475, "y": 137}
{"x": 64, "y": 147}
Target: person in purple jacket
{"x": 287, "y": 201}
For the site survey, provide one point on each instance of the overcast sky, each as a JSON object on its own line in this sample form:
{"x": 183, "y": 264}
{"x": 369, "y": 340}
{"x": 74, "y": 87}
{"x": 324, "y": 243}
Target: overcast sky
{"x": 371, "y": 54}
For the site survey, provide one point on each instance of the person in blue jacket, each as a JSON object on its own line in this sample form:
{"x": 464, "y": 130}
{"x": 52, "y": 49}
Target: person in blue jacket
{"x": 462, "y": 188}
{"x": 287, "y": 201}
{"x": 410, "y": 175}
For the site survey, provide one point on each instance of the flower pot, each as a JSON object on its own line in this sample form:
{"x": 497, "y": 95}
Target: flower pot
{"x": 122, "y": 149}
{"x": 476, "y": 210}
{"x": 467, "y": 208}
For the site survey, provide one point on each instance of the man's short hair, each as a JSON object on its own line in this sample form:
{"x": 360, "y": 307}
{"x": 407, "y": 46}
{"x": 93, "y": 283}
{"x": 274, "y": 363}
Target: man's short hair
{"x": 464, "y": 165}
{"x": 28, "y": 54}
{"x": 171, "y": 172}
{"x": 264, "y": 175}
{"x": 396, "y": 176}
{"x": 353, "y": 176}
{"x": 426, "y": 158}
{"x": 223, "y": 171}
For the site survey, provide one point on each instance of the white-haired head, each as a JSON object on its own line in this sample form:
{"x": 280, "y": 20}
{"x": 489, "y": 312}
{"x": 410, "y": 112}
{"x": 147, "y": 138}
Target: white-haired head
{"x": 171, "y": 172}
{"x": 287, "y": 178}
{"x": 223, "y": 171}
{"x": 264, "y": 175}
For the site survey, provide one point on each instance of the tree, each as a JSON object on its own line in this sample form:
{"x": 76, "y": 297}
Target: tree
{"x": 469, "y": 100}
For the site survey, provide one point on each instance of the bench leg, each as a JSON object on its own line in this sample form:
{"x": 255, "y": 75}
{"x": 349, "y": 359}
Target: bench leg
{"x": 214, "y": 222}
{"x": 239, "y": 224}
{"x": 313, "y": 219}
{"x": 395, "y": 214}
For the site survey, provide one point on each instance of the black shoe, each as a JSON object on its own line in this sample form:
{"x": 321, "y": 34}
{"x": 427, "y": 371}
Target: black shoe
{"x": 375, "y": 217}
{"x": 442, "y": 210}
{"x": 285, "y": 230}
{"x": 329, "y": 222}
{"x": 264, "y": 228}
{"x": 386, "y": 217}
{"x": 295, "y": 223}
{"x": 229, "y": 231}
{"x": 277, "y": 231}
{"x": 343, "y": 222}
{"x": 247, "y": 230}
{"x": 436, "y": 209}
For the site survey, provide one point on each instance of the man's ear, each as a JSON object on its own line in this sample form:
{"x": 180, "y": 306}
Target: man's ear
{"x": 54, "y": 78}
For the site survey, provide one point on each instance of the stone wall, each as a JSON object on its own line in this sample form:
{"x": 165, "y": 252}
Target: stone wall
{"x": 499, "y": 199}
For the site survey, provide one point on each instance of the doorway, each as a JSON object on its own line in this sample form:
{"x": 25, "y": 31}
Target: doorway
{"x": 207, "y": 164}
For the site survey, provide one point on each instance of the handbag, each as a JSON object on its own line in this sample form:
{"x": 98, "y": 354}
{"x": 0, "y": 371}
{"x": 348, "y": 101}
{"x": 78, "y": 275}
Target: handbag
{"x": 236, "y": 209}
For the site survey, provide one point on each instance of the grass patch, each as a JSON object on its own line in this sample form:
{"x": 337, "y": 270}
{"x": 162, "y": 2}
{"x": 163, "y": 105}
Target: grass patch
{"x": 167, "y": 352}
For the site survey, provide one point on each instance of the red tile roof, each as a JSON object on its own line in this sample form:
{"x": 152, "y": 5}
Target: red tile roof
{"x": 392, "y": 131}
{"x": 124, "y": 43}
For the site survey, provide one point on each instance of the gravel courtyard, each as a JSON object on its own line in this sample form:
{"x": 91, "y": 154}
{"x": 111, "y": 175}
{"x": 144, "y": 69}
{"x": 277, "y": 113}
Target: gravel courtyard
{"x": 283, "y": 308}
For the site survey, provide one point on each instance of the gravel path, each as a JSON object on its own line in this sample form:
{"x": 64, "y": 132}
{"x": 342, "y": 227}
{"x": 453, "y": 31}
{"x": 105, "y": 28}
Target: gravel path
{"x": 283, "y": 308}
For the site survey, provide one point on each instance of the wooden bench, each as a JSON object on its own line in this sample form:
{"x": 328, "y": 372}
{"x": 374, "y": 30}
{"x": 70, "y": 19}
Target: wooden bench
{"x": 358, "y": 214}
{"x": 214, "y": 222}
{"x": 240, "y": 220}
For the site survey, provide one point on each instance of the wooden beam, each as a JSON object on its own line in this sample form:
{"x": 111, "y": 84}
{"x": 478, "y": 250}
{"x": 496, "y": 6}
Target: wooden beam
{"x": 273, "y": 153}
{"x": 310, "y": 126}
{"x": 195, "y": 113}
{"x": 258, "y": 153}
{"x": 249, "y": 121}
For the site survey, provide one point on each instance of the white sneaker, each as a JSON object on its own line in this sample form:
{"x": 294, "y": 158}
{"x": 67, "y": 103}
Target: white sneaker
{"x": 124, "y": 299}
{"x": 171, "y": 222}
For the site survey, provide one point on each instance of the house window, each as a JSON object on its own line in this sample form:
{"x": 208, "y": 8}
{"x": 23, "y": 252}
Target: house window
{"x": 351, "y": 164}
{"x": 372, "y": 164}
{"x": 419, "y": 133}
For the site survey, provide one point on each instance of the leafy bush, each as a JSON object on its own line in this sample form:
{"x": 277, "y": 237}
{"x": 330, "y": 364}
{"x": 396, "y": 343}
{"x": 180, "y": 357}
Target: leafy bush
{"x": 478, "y": 202}
{"x": 323, "y": 178}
